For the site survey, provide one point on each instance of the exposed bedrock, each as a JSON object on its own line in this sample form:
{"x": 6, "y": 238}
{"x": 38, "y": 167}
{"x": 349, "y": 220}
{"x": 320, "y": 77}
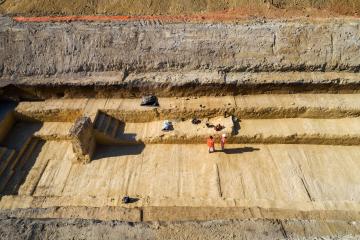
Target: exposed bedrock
{"x": 42, "y": 50}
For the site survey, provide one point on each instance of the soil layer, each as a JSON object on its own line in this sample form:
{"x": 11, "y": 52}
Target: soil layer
{"x": 200, "y": 9}
{"x": 16, "y": 228}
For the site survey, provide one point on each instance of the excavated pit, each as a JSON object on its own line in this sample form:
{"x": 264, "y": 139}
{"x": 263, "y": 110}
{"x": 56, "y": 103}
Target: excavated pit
{"x": 286, "y": 93}
{"x": 300, "y": 157}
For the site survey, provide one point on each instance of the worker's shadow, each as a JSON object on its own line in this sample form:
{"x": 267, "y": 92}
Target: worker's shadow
{"x": 240, "y": 150}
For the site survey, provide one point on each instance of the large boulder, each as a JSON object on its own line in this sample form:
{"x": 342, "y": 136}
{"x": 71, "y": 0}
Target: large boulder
{"x": 83, "y": 139}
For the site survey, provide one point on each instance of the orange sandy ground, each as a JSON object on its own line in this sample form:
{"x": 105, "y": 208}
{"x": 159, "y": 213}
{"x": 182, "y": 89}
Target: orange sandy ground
{"x": 219, "y": 16}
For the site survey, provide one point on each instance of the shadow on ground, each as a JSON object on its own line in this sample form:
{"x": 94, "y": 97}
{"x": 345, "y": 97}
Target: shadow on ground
{"x": 240, "y": 150}
{"x": 121, "y": 135}
{"x": 107, "y": 151}
{"x": 16, "y": 167}
{"x": 22, "y": 168}
{"x": 20, "y": 132}
{"x": 6, "y": 107}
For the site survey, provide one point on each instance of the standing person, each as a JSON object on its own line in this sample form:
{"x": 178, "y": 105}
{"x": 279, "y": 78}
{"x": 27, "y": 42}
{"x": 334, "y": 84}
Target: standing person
{"x": 223, "y": 141}
{"x": 211, "y": 144}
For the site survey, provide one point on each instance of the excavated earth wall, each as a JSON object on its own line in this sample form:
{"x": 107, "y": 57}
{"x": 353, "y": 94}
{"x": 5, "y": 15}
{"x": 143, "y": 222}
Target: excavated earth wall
{"x": 178, "y": 58}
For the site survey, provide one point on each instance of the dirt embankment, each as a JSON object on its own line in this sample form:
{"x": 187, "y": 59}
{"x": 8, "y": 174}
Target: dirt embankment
{"x": 44, "y": 49}
{"x": 18, "y": 228}
{"x": 217, "y": 10}
{"x": 176, "y": 57}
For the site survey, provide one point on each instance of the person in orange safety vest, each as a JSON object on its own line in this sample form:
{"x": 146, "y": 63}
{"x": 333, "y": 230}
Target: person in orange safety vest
{"x": 211, "y": 144}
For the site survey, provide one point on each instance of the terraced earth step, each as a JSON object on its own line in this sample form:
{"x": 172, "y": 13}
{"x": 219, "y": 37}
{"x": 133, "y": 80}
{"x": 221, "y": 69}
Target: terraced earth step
{"x": 113, "y": 131}
{"x": 54, "y": 131}
{"x": 246, "y": 106}
{"x": 342, "y": 131}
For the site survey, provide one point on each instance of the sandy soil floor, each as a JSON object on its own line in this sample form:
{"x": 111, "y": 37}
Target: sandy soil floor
{"x": 298, "y": 177}
{"x": 329, "y": 172}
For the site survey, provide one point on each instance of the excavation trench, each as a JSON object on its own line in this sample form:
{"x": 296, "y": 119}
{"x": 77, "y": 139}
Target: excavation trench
{"x": 75, "y": 139}
{"x": 287, "y": 139}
